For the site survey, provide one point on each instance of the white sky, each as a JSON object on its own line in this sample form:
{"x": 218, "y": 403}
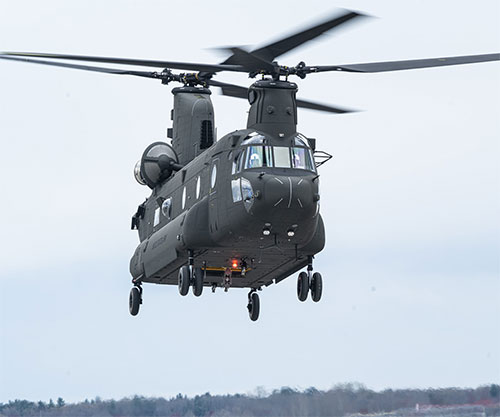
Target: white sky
{"x": 411, "y": 204}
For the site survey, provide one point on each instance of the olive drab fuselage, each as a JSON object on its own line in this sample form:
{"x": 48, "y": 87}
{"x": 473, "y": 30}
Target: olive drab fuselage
{"x": 249, "y": 202}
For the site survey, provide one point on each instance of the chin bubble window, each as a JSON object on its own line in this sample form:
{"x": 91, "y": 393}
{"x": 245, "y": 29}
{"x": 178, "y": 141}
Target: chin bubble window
{"x": 236, "y": 189}
{"x": 246, "y": 190}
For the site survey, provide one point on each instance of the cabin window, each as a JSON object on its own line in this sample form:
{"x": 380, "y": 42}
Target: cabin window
{"x": 183, "y": 198}
{"x": 166, "y": 208}
{"x": 198, "y": 187}
{"x": 213, "y": 177}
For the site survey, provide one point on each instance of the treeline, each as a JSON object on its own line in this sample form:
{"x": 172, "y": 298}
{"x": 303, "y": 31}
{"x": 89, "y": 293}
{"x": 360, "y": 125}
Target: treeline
{"x": 339, "y": 401}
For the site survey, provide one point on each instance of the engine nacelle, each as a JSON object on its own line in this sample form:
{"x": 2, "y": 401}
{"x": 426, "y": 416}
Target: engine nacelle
{"x": 157, "y": 164}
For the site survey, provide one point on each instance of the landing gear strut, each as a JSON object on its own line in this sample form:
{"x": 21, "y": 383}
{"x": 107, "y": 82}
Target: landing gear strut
{"x": 309, "y": 281}
{"x": 135, "y": 300}
{"x": 253, "y": 305}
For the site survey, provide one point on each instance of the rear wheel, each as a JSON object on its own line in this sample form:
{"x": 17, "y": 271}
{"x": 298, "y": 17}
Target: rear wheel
{"x": 316, "y": 287}
{"x": 198, "y": 281}
{"x": 184, "y": 280}
{"x": 303, "y": 286}
{"x": 134, "y": 301}
{"x": 253, "y": 306}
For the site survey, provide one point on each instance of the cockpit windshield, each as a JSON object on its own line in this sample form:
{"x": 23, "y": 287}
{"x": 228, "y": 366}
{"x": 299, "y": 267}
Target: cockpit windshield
{"x": 258, "y": 156}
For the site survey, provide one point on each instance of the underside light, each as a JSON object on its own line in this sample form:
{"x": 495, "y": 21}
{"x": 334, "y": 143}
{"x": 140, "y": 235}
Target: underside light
{"x": 234, "y": 263}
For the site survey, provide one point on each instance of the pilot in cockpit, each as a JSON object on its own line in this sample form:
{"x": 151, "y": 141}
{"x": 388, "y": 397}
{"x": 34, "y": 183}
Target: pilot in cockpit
{"x": 254, "y": 161}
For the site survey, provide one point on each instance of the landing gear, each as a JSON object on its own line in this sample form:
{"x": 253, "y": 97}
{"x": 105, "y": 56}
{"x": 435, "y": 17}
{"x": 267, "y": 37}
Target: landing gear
{"x": 316, "y": 287}
{"x": 184, "y": 280}
{"x": 189, "y": 276}
{"x": 309, "y": 281}
{"x": 135, "y": 300}
{"x": 197, "y": 281}
{"x": 253, "y": 305}
{"x": 303, "y": 286}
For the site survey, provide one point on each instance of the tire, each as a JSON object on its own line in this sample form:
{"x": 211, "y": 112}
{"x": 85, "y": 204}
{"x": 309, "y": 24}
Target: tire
{"x": 184, "y": 280}
{"x": 254, "y": 306}
{"x": 134, "y": 301}
{"x": 303, "y": 286}
{"x": 316, "y": 287}
{"x": 198, "y": 281}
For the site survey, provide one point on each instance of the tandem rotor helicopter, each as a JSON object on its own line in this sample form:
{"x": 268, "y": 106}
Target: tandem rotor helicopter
{"x": 241, "y": 211}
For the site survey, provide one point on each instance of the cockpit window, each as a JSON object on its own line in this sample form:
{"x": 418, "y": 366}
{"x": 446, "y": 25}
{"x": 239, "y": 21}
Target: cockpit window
{"x": 255, "y": 157}
{"x": 258, "y": 156}
{"x": 281, "y": 157}
{"x": 301, "y": 159}
{"x": 300, "y": 140}
{"x": 253, "y": 139}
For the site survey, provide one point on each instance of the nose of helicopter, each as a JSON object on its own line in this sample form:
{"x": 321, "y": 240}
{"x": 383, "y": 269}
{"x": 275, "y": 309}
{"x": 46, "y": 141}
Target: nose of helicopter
{"x": 285, "y": 198}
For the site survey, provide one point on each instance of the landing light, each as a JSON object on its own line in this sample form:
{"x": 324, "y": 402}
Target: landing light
{"x": 266, "y": 231}
{"x": 291, "y": 233}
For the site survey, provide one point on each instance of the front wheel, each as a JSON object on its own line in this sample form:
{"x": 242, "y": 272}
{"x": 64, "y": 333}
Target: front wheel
{"x": 184, "y": 280}
{"x": 316, "y": 287}
{"x": 134, "y": 301}
{"x": 303, "y": 286}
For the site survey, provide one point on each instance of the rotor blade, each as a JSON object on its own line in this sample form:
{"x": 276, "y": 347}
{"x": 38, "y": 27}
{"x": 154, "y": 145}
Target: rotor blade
{"x": 322, "y": 107}
{"x": 242, "y": 92}
{"x": 406, "y": 65}
{"x": 250, "y": 61}
{"x": 230, "y": 90}
{"x": 275, "y": 49}
{"x": 84, "y": 67}
{"x": 139, "y": 62}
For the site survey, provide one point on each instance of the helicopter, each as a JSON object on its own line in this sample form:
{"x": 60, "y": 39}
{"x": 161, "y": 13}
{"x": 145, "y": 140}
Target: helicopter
{"x": 242, "y": 211}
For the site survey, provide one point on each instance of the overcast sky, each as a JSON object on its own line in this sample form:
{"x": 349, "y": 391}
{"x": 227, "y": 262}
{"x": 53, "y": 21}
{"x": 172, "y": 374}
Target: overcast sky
{"x": 411, "y": 203}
